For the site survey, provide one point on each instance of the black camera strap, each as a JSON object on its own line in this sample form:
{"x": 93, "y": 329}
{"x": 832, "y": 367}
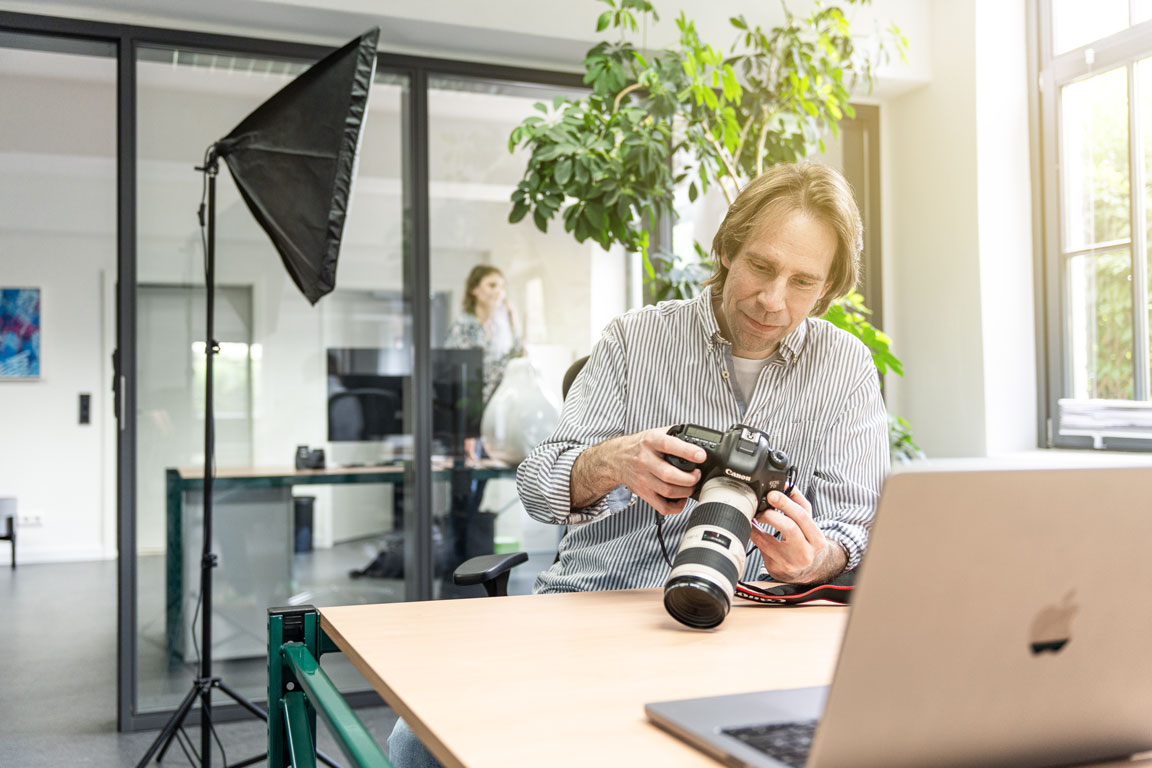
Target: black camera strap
{"x": 839, "y": 590}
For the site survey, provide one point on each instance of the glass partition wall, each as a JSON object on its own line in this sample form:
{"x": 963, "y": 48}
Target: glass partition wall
{"x": 559, "y": 294}
{"x": 371, "y": 375}
{"x": 280, "y": 366}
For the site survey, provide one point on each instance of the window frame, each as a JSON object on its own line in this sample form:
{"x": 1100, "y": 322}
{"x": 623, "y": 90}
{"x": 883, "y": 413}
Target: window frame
{"x": 1050, "y": 73}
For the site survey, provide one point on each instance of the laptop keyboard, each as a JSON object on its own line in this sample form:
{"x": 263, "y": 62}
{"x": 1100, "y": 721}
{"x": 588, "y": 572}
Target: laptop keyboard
{"x": 787, "y": 742}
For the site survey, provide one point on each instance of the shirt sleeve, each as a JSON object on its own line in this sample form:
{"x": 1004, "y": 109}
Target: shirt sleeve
{"x": 855, "y": 459}
{"x": 593, "y": 412}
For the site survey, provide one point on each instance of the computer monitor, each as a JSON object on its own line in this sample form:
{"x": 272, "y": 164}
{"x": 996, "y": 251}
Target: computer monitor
{"x": 368, "y": 389}
{"x": 457, "y": 396}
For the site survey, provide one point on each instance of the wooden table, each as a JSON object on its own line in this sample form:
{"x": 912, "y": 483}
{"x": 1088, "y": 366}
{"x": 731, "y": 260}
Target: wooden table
{"x": 561, "y": 680}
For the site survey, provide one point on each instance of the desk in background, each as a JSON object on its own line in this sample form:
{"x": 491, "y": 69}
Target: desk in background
{"x": 254, "y": 507}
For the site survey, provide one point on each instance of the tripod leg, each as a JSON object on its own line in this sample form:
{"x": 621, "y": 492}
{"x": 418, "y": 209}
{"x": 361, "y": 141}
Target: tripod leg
{"x": 169, "y": 732}
{"x": 254, "y": 709}
{"x": 186, "y": 747}
{"x": 239, "y": 699}
{"x": 327, "y": 760}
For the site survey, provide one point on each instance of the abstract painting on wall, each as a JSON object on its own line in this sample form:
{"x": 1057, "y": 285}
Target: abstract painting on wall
{"x": 19, "y": 333}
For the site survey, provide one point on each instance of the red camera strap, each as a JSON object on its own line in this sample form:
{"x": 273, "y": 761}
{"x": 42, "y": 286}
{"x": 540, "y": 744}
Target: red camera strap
{"x": 791, "y": 594}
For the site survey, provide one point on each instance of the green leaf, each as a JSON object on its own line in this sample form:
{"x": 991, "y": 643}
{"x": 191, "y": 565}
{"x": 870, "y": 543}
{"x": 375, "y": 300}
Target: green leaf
{"x": 563, "y": 171}
{"x": 692, "y": 193}
{"x": 604, "y": 20}
{"x": 519, "y": 210}
{"x": 541, "y": 220}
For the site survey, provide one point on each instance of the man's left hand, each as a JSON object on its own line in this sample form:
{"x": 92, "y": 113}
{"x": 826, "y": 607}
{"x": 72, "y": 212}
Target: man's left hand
{"x": 802, "y": 554}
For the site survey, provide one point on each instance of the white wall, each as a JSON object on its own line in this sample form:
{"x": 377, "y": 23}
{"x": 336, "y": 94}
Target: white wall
{"x": 958, "y": 274}
{"x": 57, "y": 233}
{"x": 1005, "y": 214}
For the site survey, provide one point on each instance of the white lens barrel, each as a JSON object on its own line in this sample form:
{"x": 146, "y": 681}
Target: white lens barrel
{"x": 712, "y": 554}
{"x": 725, "y": 490}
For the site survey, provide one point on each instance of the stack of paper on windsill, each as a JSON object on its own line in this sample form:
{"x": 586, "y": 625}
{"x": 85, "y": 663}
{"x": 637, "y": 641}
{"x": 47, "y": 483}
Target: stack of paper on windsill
{"x": 1114, "y": 416}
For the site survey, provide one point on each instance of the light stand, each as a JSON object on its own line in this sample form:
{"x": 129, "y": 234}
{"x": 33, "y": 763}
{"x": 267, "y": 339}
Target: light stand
{"x": 296, "y": 177}
{"x": 202, "y": 686}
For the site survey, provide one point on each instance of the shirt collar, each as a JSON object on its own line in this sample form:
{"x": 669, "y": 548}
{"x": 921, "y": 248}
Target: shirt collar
{"x": 790, "y": 347}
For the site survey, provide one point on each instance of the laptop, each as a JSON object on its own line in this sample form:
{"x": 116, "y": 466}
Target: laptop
{"x": 1001, "y": 617}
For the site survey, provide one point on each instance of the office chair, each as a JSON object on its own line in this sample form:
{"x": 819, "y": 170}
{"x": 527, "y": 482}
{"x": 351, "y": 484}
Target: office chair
{"x": 493, "y": 570}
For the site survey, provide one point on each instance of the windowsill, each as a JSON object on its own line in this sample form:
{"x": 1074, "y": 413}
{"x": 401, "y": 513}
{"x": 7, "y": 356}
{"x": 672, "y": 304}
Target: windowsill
{"x": 1051, "y": 458}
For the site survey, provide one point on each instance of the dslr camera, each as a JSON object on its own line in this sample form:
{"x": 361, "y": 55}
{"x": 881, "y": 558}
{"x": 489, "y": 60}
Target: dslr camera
{"x": 309, "y": 458}
{"x": 738, "y": 471}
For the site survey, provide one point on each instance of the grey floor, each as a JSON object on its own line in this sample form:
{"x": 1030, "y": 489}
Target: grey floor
{"x": 58, "y": 677}
{"x": 58, "y": 663}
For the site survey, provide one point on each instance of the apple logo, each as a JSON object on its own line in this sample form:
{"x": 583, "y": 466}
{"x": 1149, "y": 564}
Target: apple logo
{"x": 1052, "y": 628}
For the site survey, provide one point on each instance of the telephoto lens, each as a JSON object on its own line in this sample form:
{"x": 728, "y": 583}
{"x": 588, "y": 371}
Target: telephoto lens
{"x": 712, "y": 554}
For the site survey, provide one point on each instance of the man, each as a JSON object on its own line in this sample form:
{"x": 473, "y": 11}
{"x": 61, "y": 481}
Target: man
{"x": 747, "y": 350}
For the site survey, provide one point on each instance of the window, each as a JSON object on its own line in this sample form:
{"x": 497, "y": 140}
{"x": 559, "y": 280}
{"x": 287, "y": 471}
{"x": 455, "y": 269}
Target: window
{"x": 1096, "y": 121}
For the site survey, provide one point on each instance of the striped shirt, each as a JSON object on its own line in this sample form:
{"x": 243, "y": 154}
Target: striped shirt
{"x": 818, "y": 400}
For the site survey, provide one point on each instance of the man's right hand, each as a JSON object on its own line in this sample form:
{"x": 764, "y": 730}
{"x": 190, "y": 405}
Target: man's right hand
{"x": 637, "y": 461}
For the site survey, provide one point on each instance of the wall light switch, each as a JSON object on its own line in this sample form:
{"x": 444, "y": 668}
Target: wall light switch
{"x": 85, "y": 408}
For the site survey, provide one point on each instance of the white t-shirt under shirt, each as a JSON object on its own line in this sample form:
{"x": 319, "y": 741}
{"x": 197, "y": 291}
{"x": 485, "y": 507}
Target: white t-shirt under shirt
{"x": 747, "y": 372}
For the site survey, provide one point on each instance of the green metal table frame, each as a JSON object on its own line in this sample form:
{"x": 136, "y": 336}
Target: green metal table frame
{"x": 298, "y": 690}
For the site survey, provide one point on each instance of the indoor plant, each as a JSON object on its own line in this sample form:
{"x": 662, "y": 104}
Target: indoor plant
{"x": 610, "y": 162}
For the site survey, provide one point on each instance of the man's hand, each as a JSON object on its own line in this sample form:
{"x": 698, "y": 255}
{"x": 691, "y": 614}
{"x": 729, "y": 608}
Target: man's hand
{"x": 802, "y": 555}
{"x": 638, "y": 462}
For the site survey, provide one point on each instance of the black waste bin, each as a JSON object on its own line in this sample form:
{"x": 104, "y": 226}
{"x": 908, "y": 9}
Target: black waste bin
{"x": 303, "y": 507}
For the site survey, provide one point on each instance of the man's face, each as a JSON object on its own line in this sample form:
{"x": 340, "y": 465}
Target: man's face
{"x": 774, "y": 282}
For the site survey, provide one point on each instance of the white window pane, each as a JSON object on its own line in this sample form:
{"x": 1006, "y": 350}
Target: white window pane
{"x": 1077, "y": 22}
{"x": 1100, "y": 324}
{"x": 1094, "y": 157}
{"x": 1141, "y": 11}
{"x": 1144, "y": 97}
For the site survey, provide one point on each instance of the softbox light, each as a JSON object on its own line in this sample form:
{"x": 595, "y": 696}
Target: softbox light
{"x": 294, "y": 161}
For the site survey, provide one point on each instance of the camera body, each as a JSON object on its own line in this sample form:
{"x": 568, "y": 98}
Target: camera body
{"x": 738, "y": 471}
{"x": 307, "y": 458}
{"x": 742, "y": 453}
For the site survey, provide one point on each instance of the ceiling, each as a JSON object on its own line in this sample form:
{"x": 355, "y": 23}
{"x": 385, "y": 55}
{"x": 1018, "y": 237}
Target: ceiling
{"x": 553, "y": 34}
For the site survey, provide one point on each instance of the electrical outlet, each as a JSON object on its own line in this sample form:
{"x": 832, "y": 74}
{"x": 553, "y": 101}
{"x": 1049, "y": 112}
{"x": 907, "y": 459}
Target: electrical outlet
{"x": 29, "y": 521}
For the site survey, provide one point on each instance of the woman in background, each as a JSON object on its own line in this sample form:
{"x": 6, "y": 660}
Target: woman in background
{"x": 489, "y": 323}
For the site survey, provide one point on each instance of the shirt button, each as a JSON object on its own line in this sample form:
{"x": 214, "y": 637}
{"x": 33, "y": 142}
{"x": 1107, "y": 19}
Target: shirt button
{"x": 724, "y": 374}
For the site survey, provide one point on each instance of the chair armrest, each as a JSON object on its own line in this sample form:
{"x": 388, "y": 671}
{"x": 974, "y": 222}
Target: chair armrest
{"x": 490, "y": 570}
